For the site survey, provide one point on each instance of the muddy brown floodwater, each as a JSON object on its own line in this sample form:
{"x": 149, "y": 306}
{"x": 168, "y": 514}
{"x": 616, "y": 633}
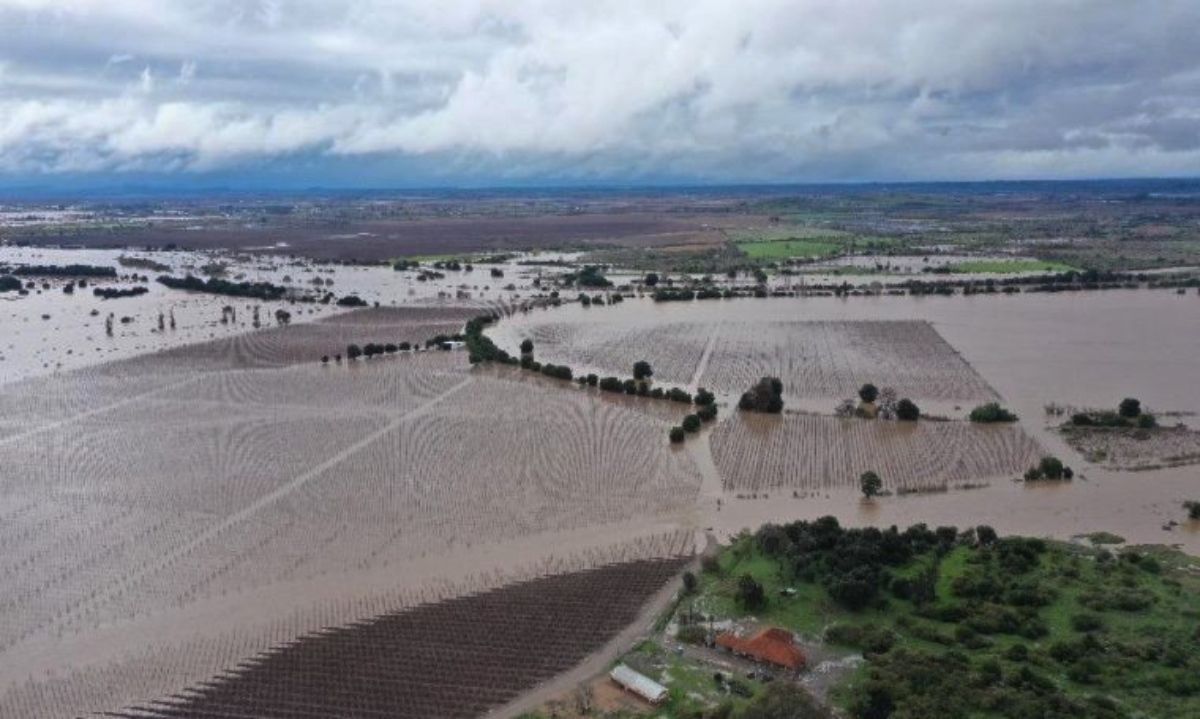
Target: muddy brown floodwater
{"x": 1083, "y": 349}
{"x": 168, "y": 515}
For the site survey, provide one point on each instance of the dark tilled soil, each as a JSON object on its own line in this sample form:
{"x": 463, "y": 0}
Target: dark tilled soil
{"x": 379, "y": 240}
{"x": 455, "y": 658}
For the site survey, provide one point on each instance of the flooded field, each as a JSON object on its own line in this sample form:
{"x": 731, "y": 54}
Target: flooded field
{"x": 808, "y": 453}
{"x": 178, "y": 504}
{"x": 153, "y": 489}
{"x": 1029, "y": 350}
{"x": 48, "y": 331}
{"x": 433, "y": 660}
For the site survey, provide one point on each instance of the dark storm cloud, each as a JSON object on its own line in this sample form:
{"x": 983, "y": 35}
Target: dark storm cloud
{"x": 751, "y": 90}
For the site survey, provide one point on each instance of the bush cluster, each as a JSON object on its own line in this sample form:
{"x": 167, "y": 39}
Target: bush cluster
{"x": 1049, "y": 468}
{"x": 765, "y": 396}
{"x": 1128, "y": 414}
{"x": 990, "y": 413}
{"x": 64, "y": 271}
{"x": 112, "y": 293}
{"x": 216, "y": 286}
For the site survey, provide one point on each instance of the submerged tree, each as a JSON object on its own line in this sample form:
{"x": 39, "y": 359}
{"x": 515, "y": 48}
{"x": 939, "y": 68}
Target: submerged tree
{"x": 1129, "y": 408}
{"x": 870, "y": 484}
{"x": 765, "y": 396}
{"x": 868, "y": 392}
{"x": 907, "y": 410}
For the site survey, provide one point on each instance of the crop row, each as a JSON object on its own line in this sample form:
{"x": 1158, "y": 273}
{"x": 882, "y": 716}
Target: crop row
{"x": 452, "y": 659}
{"x": 814, "y": 452}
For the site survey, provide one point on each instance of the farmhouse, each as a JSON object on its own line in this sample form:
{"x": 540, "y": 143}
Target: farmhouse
{"x": 770, "y": 646}
{"x": 639, "y": 684}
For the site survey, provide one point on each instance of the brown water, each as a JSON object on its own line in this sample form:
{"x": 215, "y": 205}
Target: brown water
{"x": 48, "y": 332}
{"x": 1086, "y": 349}
{"x": 164, "y": 522}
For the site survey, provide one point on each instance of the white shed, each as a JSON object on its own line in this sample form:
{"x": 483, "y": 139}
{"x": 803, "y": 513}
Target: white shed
{"x": 639, "y": 684}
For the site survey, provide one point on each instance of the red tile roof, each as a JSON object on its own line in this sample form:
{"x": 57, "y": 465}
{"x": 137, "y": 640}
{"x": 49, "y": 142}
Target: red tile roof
{"x": 772, "y": 646}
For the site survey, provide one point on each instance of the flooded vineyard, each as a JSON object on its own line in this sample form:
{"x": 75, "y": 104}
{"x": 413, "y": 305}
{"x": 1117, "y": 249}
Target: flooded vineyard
{"x": 810, "y": 453}
{"x": 435, "y": 659}
{"x": 193, "y": 507}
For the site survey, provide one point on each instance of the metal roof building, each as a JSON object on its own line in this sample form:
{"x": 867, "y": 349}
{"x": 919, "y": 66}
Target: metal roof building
{"x": 639, "y": 684}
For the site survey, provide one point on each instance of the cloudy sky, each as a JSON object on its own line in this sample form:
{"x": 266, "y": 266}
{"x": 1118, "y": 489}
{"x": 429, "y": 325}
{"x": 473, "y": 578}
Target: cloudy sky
{"x": 396, "y": 93}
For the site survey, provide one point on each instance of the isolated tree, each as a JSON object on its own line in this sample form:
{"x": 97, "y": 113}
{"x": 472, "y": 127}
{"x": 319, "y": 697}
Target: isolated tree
{"x": 907, "y": 410}
{"x": 691, "y": 423}
{"x": 765, "y": 396}
{"x": 642, "y": 370}
{"x": 1051, "y": 467}
{"x": 677, "y": 435}
{"x": 527, "y": 347}
{"x": 353, "y": 352}
{"x": 651, "y": 279}
{"x": 870, "y": 484}
{"x": 783, "y": 700}
{"x": 750, "y": 593}
{"x": 854, "y": 589}
{"x": 1129, "y": 408}
{"x": 985, "y": 534}
{"x": 689, "y": 583}
{"x": 868, "y": 392}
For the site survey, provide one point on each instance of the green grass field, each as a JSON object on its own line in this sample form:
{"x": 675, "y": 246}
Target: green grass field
{"x": 1078, "y": 630}
{"x": 787, "y": 249}
{"x": 1009, "y": 266}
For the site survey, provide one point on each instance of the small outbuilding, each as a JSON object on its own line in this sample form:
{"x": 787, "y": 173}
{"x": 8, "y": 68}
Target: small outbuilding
{"x": 770, "y": 646}
{"x": 639, "y": 684}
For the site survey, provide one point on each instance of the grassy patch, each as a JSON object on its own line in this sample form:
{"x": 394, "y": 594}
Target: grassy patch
{"x": 1005, "y": 628}
{"x": 1009, "y": 266}
{"x": 785, "y": 249}
{"x": 692, "y": 689}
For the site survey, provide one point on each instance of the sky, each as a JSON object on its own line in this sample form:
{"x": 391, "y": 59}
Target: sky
{"x": 374, "y": 93}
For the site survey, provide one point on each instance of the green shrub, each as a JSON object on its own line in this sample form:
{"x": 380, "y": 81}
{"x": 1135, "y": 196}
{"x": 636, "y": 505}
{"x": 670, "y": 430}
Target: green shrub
{"x": 907, "y": 410}
{"x": 868, "y": 637}
{"x": 868, "y": 393}
{"x": 1051, "y": 467}
{"x": 990, "y": 413}
{"x": 1086, "y": 622}
{"x": 692, "y": 634}
{"x": 750, "y": 593}
{"x": 870, "y": 484}
{"x": 1129, "y": 408}
{"x": 765, "y": 396}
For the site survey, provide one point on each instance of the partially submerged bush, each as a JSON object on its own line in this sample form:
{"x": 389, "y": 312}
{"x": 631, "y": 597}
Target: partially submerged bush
{"x": 1049, "y": 468}
{"x": 868, "y": 393}
{"x": 990, "y": 413}
{"x": 907, "y": 410}
{"x": 1129, "y": 408}
{"x": 765, "y": 396}
{"x": 870, "y": 484}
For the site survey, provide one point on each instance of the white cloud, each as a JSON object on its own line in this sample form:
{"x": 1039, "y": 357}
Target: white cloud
{"x": 753, "y": 90}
